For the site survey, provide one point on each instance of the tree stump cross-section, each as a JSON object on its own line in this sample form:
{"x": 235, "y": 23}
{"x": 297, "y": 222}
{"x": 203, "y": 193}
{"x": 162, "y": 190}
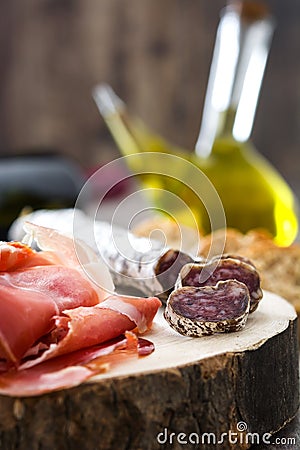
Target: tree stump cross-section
{"x": 184, "y": 395}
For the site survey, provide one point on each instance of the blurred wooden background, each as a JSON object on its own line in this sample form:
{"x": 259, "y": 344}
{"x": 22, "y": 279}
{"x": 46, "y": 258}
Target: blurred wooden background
{"x": 156, "y": 55}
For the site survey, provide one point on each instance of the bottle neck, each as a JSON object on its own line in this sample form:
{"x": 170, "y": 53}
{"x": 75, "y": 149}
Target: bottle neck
{"x": 237, "y": 68}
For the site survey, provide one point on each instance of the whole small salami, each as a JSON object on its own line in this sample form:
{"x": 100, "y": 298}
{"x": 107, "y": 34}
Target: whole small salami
{"x": 200, "y": 311}
{"x": 222, "y": 269}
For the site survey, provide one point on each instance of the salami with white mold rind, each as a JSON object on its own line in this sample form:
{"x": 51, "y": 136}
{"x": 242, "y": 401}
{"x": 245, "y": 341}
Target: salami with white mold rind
{"x": 200, "y": 311}
{"x": 222, "y": 269}
{"x": 131, "y": 263}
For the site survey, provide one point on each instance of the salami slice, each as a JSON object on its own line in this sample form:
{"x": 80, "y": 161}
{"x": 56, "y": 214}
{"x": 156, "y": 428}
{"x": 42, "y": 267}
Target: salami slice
{"x": 200, "y": 311}
{"x": 230, "y": 255}
{"x": 166, "y": 270}
{"x": 222, "y": 269}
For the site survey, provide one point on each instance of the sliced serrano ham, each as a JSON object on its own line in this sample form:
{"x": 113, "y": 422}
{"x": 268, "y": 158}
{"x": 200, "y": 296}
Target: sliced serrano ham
{"x": 64, "y": 285}
{"x": 87, "y": 326}
{"x": 15, "y": 255}
{"x": 71, "y": 369}
{"x": 56, "y": 321}
{"x": 24, "y": 317}
{"x": 33, "y": 290}
{"x": 139, "y": 312}
{"x": 74, "y": 253}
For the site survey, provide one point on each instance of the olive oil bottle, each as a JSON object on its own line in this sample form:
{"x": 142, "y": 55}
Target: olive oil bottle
{"x": 253, "y": 193}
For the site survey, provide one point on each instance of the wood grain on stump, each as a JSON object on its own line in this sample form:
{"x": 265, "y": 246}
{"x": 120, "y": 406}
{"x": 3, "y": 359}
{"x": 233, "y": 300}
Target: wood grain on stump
{"x": 188, "y": 385}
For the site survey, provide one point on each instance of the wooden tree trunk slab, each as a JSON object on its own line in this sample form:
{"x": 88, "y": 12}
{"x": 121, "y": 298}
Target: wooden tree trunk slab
{"x": 188, "y": 385}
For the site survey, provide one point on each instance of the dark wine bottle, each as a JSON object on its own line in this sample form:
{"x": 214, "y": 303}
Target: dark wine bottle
{"x": 36, "y": 181}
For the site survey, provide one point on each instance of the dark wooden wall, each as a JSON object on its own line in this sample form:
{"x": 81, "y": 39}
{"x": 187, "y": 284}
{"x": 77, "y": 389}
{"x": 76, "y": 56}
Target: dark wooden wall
{"x": 156, "y": 54}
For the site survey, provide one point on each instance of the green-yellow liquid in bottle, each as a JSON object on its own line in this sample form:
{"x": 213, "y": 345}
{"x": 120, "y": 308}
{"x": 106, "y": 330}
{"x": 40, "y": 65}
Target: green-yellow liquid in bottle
{"x": 252, "y": 192}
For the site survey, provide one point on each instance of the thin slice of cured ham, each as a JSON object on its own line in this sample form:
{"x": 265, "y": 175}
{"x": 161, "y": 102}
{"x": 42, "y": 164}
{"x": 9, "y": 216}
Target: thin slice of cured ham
{"x": 56, "y": 325}
{"x": 72, "y": 369}
{"x": 87, "y": 326}
{"x": 15, "y": 255}
{"x": 30, "y": 296}
{"x": 24, "y": 317}
{"x": 64, "y": 285}
{"x": 141, "y": 313}
{"x": 74, "y": 253}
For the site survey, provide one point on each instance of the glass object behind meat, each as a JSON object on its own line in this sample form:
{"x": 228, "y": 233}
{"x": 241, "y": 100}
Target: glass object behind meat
{"x": 36, "y": 181}
{"x": 253, "y": 193}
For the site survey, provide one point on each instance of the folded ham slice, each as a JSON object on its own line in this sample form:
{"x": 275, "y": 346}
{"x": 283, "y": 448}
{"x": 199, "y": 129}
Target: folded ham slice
{"x": 33, "y": 293}
{"x": 71, "y": 369}
{"x": 15, "y": 255}
{"x": 24, "y": 317}
{"x": 57, "y": 315}
{"x": 64, "y": 285}
{"x": 87, "y": 326}
{"x": 73, "y": 253}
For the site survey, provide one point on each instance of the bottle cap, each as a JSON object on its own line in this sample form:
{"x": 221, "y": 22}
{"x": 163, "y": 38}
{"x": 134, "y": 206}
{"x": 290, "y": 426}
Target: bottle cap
{"x": 250, "y": 11}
